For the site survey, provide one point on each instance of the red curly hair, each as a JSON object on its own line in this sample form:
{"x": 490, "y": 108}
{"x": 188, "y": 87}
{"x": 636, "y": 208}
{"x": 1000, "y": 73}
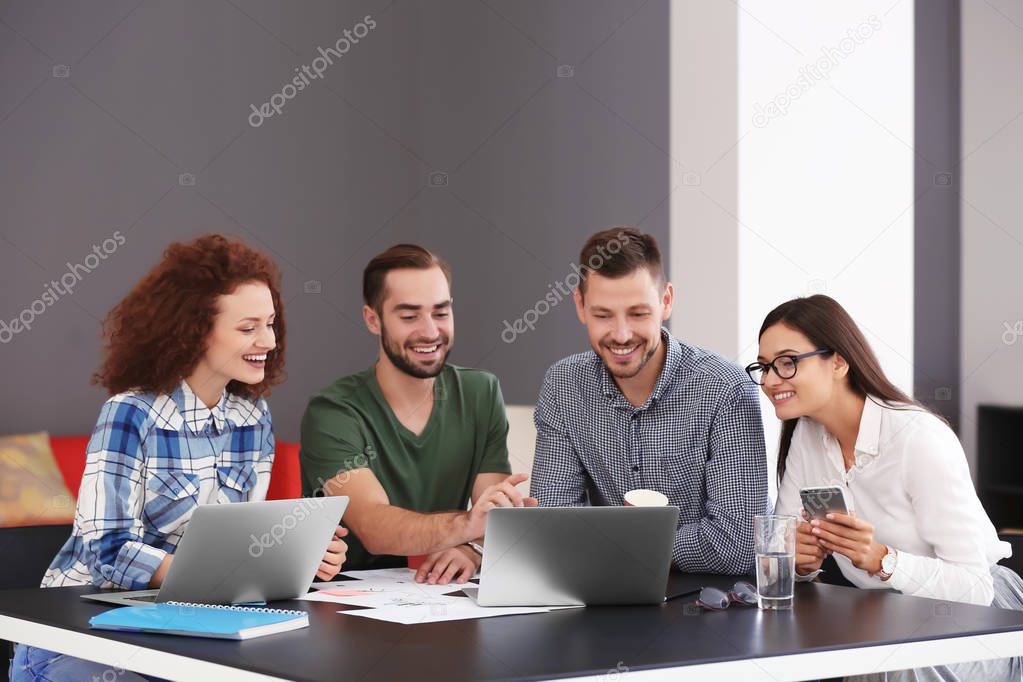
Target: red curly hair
{"x": 156, "y": 336}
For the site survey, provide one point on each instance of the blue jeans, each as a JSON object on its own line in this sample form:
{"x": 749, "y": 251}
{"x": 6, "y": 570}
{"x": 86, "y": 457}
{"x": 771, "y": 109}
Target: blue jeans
{"x": 31, "y": 664}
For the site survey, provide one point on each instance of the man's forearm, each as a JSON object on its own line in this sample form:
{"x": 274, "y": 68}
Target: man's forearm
{"x": 707, "y": 547}
{"x": 393, "y": 530}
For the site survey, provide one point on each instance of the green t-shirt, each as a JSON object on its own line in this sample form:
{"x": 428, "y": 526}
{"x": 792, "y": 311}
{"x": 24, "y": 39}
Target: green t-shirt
{"x": 349, "y": 425}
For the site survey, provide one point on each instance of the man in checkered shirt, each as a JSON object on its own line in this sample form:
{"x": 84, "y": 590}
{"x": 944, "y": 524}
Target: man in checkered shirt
{"x": 645, "y": 410}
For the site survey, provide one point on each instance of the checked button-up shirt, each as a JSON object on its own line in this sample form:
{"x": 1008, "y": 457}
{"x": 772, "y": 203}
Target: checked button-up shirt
{"x": 151, "y": 461}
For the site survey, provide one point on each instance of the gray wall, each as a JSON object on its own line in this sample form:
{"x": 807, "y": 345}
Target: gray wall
{"x": 991, "y": 209}
{"x": 117, "y": 117}
{"x": 937, "y": 243}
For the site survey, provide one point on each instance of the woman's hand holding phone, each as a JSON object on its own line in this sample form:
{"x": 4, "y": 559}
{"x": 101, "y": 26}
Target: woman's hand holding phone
{"x": 809, "y": 552}
{"x": 851, "y": 537}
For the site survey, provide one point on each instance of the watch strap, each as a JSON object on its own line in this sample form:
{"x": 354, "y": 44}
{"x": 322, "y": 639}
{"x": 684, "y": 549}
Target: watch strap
{"x": 883, "y": 574}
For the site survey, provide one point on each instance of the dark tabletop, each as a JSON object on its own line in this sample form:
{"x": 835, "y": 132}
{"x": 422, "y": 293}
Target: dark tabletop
{"x": 564, "y": 643}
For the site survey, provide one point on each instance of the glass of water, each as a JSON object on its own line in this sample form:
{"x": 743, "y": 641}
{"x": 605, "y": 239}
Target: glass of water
{"x": 774, "y": 539}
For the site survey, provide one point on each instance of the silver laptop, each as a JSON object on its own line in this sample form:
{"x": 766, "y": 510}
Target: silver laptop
{"x": 576, "y": 556}
{"x": 245, "y": 552}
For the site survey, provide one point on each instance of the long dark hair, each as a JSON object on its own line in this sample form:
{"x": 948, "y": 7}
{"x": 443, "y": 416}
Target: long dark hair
{"x": 827, "y": 325}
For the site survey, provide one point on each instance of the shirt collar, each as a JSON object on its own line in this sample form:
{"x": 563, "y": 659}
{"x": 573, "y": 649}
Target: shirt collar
{"x": 672, "y": 362}
{"x": 870, "y": 427}
{"x": 194, "y": 411}
{"x": 867, "y": 437}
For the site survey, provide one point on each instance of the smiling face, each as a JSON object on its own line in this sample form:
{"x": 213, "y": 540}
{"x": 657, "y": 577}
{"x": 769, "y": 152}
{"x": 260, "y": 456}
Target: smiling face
{"x": 623, "y": 317}
{"x": 817, "y": 378}
{"x": 415, "y": 323}
{"x": 241, "y": 338}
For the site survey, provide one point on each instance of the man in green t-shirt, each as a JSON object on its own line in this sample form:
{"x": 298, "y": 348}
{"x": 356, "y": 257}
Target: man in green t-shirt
{"x": 412, "y": 439}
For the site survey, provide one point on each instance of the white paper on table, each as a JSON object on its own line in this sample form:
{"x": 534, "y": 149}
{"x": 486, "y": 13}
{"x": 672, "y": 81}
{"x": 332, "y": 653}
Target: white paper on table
{"x": 366, "y": 593}
{"x": 396, "y": 574}
{"x": 383, "y": 585}
{"x": 405, "y": 575}
{"x": 463, "y": 610}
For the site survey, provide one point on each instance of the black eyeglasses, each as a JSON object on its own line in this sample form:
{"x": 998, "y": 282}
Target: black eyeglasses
{"x": 783, "y": 365}
{"x": 718, "y": 600}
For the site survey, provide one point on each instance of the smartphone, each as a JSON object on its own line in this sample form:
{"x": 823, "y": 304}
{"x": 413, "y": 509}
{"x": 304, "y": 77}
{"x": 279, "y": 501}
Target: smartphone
{"x": 823, "y": 500}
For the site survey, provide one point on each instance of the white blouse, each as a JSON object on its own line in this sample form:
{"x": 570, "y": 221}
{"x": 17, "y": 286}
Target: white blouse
{"x": 911, "y": 481}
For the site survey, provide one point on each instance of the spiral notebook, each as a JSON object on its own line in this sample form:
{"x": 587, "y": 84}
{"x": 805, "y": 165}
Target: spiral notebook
{"x": 201, "y": 620}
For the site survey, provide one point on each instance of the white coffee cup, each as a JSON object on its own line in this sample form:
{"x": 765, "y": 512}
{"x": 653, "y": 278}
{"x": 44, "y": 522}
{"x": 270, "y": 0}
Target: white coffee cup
{"x": 641, "y": 497}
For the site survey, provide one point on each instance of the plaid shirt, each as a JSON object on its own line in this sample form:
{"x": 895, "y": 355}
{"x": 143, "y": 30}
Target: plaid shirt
{"x": 151, "y": 460}
{"x": 698, "y": 439}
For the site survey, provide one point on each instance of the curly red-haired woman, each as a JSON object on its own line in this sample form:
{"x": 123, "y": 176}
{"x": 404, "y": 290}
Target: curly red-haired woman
{"x": 191, "y": 351}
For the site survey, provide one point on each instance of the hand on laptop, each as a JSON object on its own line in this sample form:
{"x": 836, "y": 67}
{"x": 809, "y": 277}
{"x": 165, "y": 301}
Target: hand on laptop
{"x": 501, "y": 494}
{"x": 457, "y": 564}
{"x": 330, "y": 566}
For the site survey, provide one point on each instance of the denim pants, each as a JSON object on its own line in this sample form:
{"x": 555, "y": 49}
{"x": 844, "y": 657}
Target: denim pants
{"x": 32, "y": 664}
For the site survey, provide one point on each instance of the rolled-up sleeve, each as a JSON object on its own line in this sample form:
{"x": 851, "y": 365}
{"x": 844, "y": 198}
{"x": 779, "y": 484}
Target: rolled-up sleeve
{"x": 736, "y": 485}
{"x": 109, "y": 512}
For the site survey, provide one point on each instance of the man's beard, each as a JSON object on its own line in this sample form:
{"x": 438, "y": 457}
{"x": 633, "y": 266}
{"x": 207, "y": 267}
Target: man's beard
{"x": 396, "y": 354}
{"x": 639, "y": 368}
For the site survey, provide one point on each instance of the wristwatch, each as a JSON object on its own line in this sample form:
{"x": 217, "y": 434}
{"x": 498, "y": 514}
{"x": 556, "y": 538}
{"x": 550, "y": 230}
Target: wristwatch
{"x": 888, "y": 563}
{"x": 476, "y": 547}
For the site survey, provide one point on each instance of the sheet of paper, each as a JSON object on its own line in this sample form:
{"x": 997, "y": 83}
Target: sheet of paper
{"x": 463, "y": 610}
{"x": 381, "y": 585}
{"x": 370, "y": 594}
{"x": 397, "y": 574}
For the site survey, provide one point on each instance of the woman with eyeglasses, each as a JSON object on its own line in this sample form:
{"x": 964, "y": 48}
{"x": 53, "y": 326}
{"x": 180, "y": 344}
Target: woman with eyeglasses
{"x": 915, "y": 523}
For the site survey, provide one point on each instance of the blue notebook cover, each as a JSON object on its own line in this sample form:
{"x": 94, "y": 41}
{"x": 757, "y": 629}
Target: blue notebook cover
{"x": 200, "y": 620}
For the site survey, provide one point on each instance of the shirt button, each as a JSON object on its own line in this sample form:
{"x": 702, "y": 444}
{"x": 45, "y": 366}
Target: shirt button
{"x": 635, "y": 468}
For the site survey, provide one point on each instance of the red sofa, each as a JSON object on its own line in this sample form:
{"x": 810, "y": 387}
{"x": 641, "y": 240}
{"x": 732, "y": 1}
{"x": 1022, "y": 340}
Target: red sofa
{"x": 285, "y": 481}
